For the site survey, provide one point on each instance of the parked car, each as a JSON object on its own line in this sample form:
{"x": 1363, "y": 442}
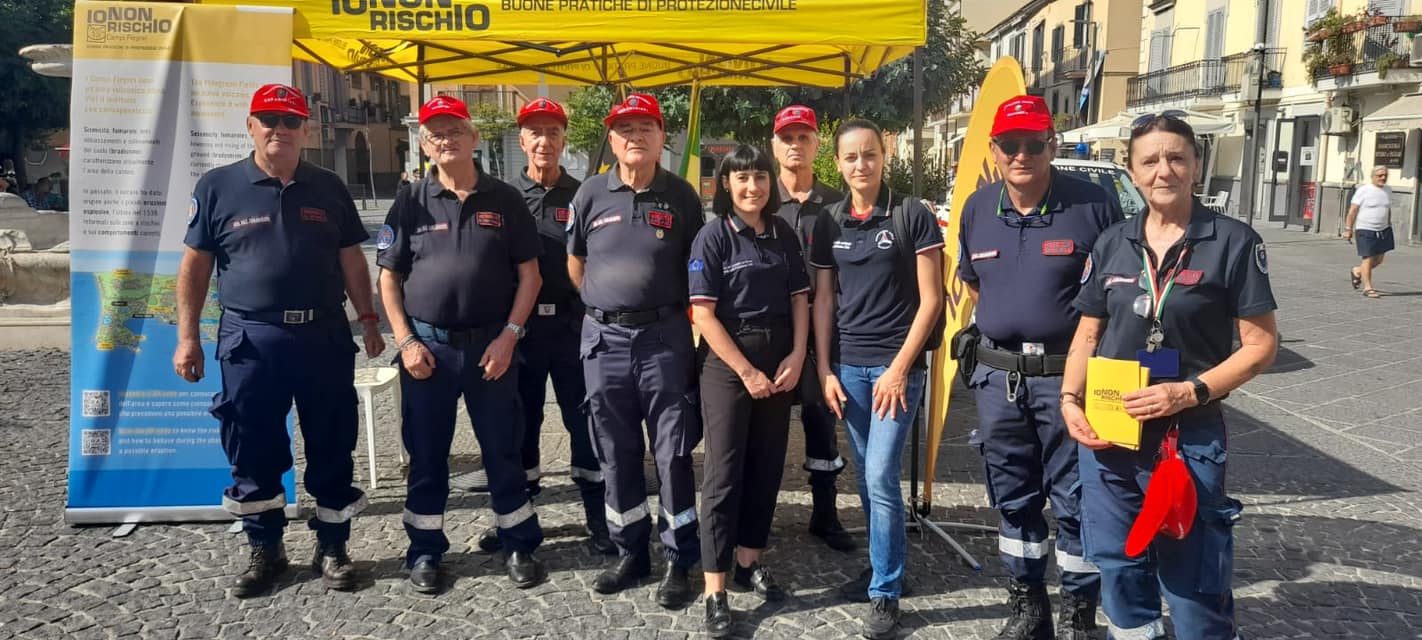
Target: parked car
{"x": 1109, "y": 176}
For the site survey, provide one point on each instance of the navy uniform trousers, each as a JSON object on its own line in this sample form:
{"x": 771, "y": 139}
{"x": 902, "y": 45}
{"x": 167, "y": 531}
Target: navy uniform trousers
{"x": 550, "y": 350}
{"x": 427, "y": 427}
{"x": 265, "y": 367}
{"x": 636, "y": 374}
{"x": 1193, "y": 574}
{"x": 1029, "y": 457}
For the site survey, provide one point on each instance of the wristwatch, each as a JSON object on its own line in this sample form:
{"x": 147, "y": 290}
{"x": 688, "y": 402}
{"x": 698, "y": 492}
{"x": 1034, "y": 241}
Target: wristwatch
{"x": 517, "y": 330}
{"x": 1202, "y": 391}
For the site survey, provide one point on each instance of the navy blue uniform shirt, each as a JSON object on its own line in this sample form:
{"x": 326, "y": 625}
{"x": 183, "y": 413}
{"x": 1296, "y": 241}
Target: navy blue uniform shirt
{"x": 636, "y": 244}
{"x": 1027, "y": 269}
{"x": 876, "y": 305}
{"x": 1225, "y": 276}
{"x": 550, "y": 209}
{"x": 459, "y": 261}
{"x": 748, "y": 276}
{"x": 275, "y": 247}
{"x": 803, "y": 215}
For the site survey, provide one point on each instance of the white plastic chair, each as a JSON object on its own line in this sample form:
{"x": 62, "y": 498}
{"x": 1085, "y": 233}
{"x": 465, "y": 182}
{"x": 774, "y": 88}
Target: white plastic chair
{"x": 368, "y": 382}
{"x": 1216, "y": 203}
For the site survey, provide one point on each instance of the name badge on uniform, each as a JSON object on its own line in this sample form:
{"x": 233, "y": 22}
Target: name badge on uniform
{"x": 1163, "y": 363}
{"x": 982, "y": 255}
{"x": 489, "y": 219}
{"x": 660, "y": 219}
{"x": 562, "y": 214}
{"x": 312, "y": 214}
{"x": 547, "y": 309}
{"x": 1058, "y": 247}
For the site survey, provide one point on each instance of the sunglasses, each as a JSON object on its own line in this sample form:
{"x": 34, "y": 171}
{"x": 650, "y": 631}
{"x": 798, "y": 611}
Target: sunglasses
{"x": 1150, "y": 118}
{"x": 270, "y": 121}
{"x": 1011, "y": 147}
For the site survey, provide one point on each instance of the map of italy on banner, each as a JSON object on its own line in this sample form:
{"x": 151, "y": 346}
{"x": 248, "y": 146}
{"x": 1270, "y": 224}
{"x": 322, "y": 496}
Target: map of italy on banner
{"x": 160, "y": 95}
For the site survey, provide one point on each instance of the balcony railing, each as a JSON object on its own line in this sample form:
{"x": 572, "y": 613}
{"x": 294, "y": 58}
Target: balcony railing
{"x": 1212, "y": 77}
{"x": 1072, "y": 64}
{"x": 1373, "y": 44}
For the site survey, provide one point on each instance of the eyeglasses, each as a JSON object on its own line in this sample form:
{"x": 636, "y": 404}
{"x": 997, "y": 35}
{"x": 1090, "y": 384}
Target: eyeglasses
{"x": 1011, "y": 147}
{"x": 1150, "y": 118}
{"x": 270, "y": 121}
{"x": 444, "y": 136}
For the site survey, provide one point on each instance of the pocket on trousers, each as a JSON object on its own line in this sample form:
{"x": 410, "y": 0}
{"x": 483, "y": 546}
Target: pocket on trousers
{"x": 230, "y": 344}
{"x": 1217, "y": 544}
{"x": 987, "y": 476}
{"x": 586, "y": 408}
{"x": 591, "y": 344}
{"x": 690, "y": 408}
{"x": 1212, "y": 452}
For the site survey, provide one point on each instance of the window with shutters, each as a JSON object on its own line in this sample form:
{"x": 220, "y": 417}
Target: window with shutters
{"x": 1316, "y": 9}
{"x": 1275, "y": 8}
{"x": 1386, "y": 7}
{"x": 1081, "y": 15}
{"x": 1214, "y": 34}
{"x": 1038, "y": 35}
{"x": 1058, "y": 37}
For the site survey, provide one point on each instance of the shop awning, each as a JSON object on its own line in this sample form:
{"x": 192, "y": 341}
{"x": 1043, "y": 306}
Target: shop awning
{"x": 1405, "y": 112}
{"x": 1118, "y": 127}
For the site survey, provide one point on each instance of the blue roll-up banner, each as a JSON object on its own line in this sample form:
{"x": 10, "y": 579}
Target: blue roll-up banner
{"x": 160, "y": 95}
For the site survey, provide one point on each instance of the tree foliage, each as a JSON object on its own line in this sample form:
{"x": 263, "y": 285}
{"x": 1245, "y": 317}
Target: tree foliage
{"x": 34, "y": 105}
{"x": 587, "y": 107}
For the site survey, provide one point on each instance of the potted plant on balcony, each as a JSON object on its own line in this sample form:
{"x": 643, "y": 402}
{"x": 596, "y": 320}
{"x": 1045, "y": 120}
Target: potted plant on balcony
{"x": 1407, "y": 24}
{"x": 1387, "y": 60}
{"x": 1334, "y": 53}
{"x": 1376, "y": 18}
{"x": 1325, "y": 27}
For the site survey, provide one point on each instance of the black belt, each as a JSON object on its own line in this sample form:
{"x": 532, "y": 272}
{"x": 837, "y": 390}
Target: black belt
{"x": 289, "y": 316}
{"x": 1048, "y": 365}
{"x": 756, "y": 325}
{"x": 454, "y": 337}
{"x": 635, "y": 318}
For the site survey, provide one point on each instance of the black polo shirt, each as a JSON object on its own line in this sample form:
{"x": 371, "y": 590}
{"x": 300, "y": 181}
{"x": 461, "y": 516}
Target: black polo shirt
{"x": 459, "y": 261}
{"x": 875, "y": 306}
{"x": 551, "y": 211}
{"x": 802, "y": 215}
{"x": 1027, "y": 269}
{"x": 636, "y": 244}
{"x": 748, "y": 276}
{"x": 1225, "y": 276}
{"x": 275, "y": 247}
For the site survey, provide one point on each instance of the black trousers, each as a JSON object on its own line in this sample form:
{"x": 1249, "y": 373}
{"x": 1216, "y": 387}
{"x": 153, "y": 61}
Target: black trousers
{"x": 745, "y": 442}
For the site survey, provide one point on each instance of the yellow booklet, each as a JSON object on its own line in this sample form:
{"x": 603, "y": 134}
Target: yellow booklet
{"x": 1107, "y": 382}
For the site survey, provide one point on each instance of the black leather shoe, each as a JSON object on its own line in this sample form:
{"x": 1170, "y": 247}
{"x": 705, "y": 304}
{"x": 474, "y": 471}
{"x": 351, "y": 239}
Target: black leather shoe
{"x": 624, "y": 574}
{"x": 524, "y": 569}
{"x": 335, "y": 567}
{"x": 857, "y": 590}
{"x": 600, "y": 542}
{"x": 265, "y": 564}
{"x": 718, "y": 615}
{"x": 426, "y": 576}
{"x": 489, "y": 541}
{"x": 758, "y": 579}
{"x": 675, "y": 590}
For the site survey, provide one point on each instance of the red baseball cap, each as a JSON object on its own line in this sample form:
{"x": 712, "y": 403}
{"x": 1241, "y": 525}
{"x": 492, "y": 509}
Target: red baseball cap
{"x": 280, "y": 98}
{"x": 444, "y": 106}
{"x": 1022, "y": 113}
{"x": 1170, "y": 502}
{"x": 543, "y": 107}
{"x": 636, "y": 104}
{"x": 795, "y": 114}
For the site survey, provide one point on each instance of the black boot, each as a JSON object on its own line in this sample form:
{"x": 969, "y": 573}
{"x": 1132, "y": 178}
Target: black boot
{"x": 265, "y": 564}
{"x": 881, "y": 622}
{"x": 824, "y": 519}
{"x": 1031, "y": 613}
{"x": 489, "y": 541}
{"x": 625, "y": 574}
{"x": 718, "y": 615}
{"x": 675, "y": 590}
{"x": 335, "y": 567}
{"x": 1077, "y": 619}
{"x": 596, "y": 516}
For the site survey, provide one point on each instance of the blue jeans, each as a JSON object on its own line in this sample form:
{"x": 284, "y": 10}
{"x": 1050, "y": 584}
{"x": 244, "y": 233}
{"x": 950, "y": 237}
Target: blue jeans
{"x": 877, "y": 445}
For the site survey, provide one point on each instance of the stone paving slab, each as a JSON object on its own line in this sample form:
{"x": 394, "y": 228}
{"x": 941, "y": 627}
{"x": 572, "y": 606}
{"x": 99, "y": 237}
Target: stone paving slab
{"x": 1325, "y": 455}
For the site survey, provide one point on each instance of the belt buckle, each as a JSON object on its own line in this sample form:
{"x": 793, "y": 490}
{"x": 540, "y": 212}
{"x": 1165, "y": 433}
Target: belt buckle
{"x": 297, "y": 316}
{"x": 547, "y": 309}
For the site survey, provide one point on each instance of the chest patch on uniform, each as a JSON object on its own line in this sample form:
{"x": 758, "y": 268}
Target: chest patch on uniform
{"x": 1112, "y": 281}
{"x": 842, "y": 244}
{"x": 312, "y": 214}
{"x": 489, "y": 219}
{"x": 660, "y": 219}
{"x": 884, "y": 239}
{"x": 602, "y": 222}
{"x": 192, "y": 211}
{"x": 1189, "y": 277}
{"x": 736, "y": 266}
{"x": 562, "y": 214}
{"x": 1058, "y": 247}
{"x": 438, "y": 226}
{"x": 982, "y": 255}
{"x": 385, "y": 237}
{"x": 249, "y": 221}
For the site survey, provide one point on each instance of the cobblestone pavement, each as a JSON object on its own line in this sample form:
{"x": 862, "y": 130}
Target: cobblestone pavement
{"x": 1326, "y": 450}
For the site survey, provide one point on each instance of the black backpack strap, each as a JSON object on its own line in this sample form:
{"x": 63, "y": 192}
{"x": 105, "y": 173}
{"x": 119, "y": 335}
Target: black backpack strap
{"x": 908, "y": 262}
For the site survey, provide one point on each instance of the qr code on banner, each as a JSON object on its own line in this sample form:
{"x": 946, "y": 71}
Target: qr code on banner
{"x": 95, "y": 442}
{"x": 96, "y": 404}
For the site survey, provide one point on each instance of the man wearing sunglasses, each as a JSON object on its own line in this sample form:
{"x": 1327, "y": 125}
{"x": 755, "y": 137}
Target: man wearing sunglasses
{"x": 1025, "y": 241}
{"x": 284, "y": 237}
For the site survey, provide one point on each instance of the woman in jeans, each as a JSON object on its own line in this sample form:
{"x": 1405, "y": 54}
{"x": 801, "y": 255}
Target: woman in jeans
{"x": 875, "y": 375}
{"x": 750, "y": 299}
